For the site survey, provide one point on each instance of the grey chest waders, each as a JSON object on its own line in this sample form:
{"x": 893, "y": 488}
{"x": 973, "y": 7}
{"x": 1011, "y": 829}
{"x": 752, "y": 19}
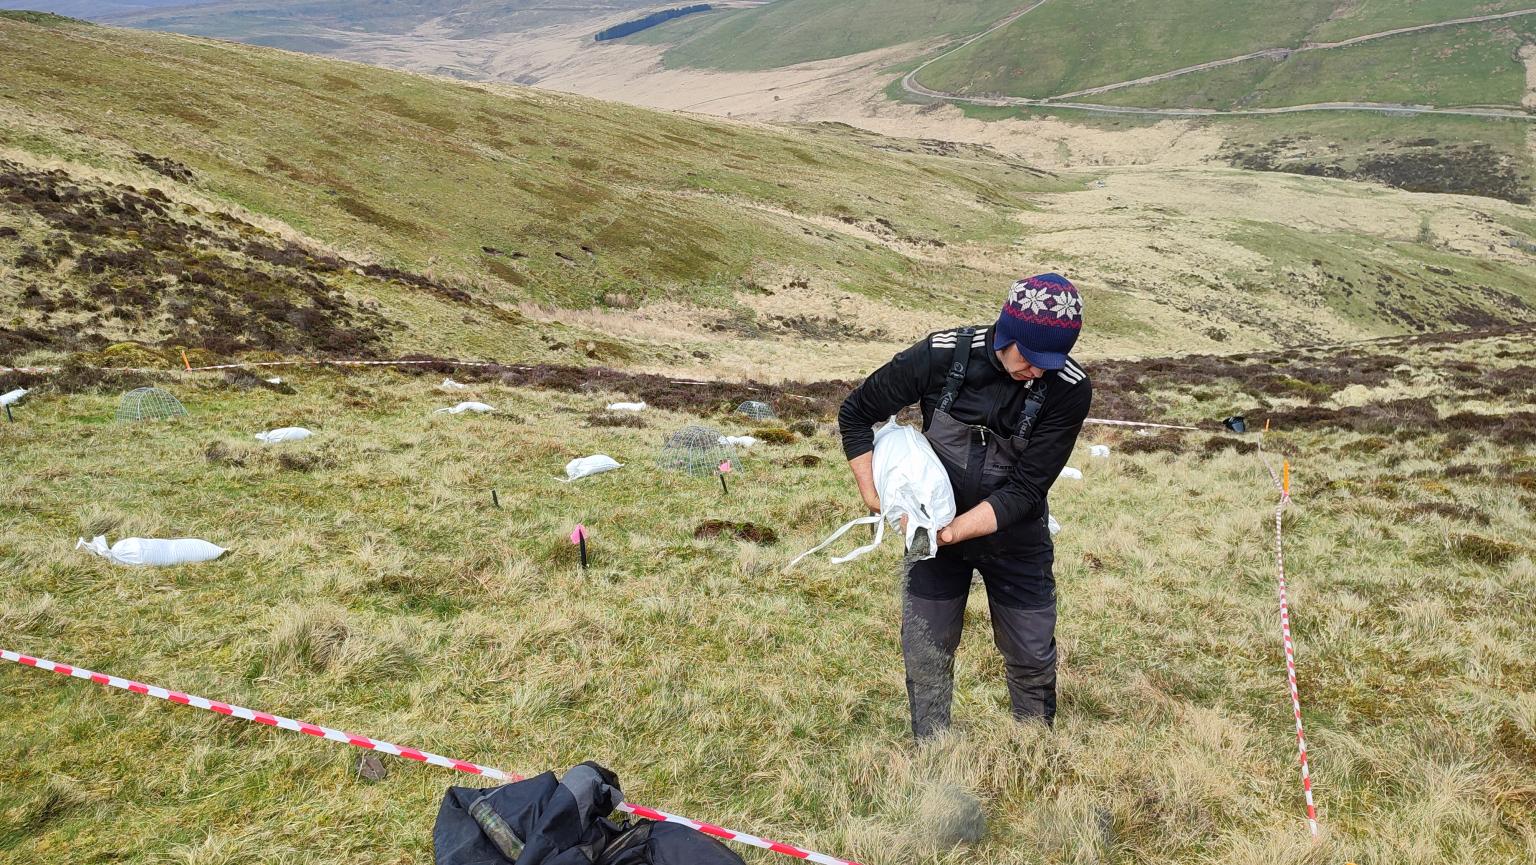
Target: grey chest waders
{"x": 977, "y": 459}
{"x": 979, "y": 462}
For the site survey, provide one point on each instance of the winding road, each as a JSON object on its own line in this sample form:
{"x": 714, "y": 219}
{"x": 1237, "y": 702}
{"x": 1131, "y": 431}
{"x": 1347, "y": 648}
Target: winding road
{"x": 910, "y": 84}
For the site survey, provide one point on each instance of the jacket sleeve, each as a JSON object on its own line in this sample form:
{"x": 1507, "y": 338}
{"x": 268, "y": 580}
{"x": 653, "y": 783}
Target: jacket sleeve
{"x": 1047, "y": 454}
{"x": 900, "y": 383}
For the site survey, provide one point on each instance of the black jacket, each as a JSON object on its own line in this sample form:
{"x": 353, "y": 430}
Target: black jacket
{"x": 990, "y": 398}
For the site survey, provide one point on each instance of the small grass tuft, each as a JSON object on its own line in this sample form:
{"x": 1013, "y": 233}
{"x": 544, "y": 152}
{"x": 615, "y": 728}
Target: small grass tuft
{"x": 1482, "y": 549}
{"x": 775, "y": 435}
{"x": 307, "y": 638}
{"x": 628, "y": 419}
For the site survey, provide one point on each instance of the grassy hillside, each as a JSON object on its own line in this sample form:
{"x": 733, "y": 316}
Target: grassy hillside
{"x": 372, "y": 586}
{"x": 1098, "y": 42}
{"x": 794, "y": 31}
{"x": 1472, "y": 65}
{"x": 230, "y": 199}
{"x": 519, "y": 197}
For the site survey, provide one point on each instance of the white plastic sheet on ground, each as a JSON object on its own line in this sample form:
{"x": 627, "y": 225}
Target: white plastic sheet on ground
{"x": 12, "y": 397}
{"x": 739, "y": 441}
{"x": 275, "y": 380}
{"x": 911, "y": 483}
{"x": 1071, "y": 474}
{"x": 592, "y": 465}
{"x": 1052, "y": 525}
{"x": 1098, "y": 451}
{"x": 450, "y": 384}
{"x": 284, "y": 434}
{"x": 464, "y": 407}
{"x": 626, "y": 406}
{"x": 153, "y": 551}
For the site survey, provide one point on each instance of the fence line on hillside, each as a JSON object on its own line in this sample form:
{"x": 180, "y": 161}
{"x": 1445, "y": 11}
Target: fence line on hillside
{"x": 255, "y": 717}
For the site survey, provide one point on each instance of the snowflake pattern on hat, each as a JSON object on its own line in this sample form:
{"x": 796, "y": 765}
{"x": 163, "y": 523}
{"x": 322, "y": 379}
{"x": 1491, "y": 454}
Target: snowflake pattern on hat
{"x": 1047, "y": 299}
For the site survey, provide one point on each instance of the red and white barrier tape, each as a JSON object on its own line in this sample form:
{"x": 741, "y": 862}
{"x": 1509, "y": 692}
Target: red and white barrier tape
{"x": 399, "y": 751}
{"x": 1290, "y": 646}
{"x": 1103, "y": 422}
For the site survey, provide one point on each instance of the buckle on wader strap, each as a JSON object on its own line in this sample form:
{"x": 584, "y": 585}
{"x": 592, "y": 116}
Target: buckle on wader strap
{"x": 956, "y": 378}
{"x": 1031, "y": 410}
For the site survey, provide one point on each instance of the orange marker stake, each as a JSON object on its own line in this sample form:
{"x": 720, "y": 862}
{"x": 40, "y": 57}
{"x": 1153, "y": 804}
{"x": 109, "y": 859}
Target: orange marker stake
{"x": 185, "y": 362}
{"x": 1266, "y": 424}
{"x": 1285, "y": 478}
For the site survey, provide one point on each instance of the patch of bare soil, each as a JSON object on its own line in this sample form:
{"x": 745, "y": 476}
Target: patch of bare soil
{"x": 753, "y": 532}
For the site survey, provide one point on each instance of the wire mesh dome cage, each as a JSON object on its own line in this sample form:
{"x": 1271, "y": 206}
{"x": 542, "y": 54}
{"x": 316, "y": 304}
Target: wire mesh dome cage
{"x": 695, "y": 450}
{"x": 756, "y": 410}
{"x": 149, "y": 403}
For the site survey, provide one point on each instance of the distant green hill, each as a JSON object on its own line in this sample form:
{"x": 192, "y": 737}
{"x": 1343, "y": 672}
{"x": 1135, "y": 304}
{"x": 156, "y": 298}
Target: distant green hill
{"x": 244, "y": 19}
{"x": 1064, "y": 47}
{"x": 795, "y": 31}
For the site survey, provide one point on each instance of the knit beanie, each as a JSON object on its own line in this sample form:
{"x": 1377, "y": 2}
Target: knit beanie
{"x": 1043, "y": 316}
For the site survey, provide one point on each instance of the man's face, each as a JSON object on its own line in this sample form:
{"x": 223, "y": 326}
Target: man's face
{"x": 1017, "y": 367}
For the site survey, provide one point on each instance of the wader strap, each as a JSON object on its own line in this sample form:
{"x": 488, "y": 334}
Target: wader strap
{"x": 1031, "y": 410}
{"x": 956, "y": 378}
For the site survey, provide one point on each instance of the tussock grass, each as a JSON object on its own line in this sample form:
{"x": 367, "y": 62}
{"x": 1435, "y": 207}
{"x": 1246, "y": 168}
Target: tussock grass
{"x": 386, "y": 595}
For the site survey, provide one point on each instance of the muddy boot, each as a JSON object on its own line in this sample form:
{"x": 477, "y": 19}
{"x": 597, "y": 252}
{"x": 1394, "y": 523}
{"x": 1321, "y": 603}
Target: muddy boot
{"x": 1027, "y": 639}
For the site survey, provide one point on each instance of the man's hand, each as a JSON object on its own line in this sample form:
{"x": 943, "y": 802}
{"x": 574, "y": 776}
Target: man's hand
{"x": 974, "y": 523}
{"x": 945, "y": 537}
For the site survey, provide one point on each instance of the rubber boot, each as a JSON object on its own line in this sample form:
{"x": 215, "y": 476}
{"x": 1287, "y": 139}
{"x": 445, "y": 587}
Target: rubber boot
{"x": 1027, "y": 640}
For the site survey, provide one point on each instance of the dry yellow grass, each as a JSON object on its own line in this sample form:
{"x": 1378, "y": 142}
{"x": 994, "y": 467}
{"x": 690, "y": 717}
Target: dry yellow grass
{"x": 371, "y": 586}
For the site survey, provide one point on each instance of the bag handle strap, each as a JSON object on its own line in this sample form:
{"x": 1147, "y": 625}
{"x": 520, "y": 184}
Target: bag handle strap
{"x": 861, "y": 521}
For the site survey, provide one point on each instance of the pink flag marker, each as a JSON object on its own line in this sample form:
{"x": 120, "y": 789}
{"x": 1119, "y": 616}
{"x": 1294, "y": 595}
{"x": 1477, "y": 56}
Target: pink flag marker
{"x": 725, "y": 467}
{"x": 579, "y": 538}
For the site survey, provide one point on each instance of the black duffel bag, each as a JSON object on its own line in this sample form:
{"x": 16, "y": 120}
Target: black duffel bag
{"x": 542, "y": 821}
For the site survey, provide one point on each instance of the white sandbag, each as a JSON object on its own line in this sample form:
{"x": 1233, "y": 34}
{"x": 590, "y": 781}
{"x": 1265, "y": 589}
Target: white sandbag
{"x": 284, "y": 434}
{"x": 12, "y": 397}
{"x": 1052, "y": 525}
{"x": 911, "y": 483}
{"x": 1071, "y": 474}
{"x": 153, "y": 551}
{"x": 464, "y": 407}
{"x": 450, "y": 384}
{"x": 626, "y": 406}
{"x": 739, "y": 441}
{"x": 592, "y": 465}
{"x": 1098, "y": 451}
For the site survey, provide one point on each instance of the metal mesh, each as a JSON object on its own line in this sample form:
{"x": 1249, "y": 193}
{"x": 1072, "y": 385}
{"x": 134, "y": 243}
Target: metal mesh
{"x": 696, "y": 450}
{"x": 148, "y": 403}
{"x": 756, "y": 410}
